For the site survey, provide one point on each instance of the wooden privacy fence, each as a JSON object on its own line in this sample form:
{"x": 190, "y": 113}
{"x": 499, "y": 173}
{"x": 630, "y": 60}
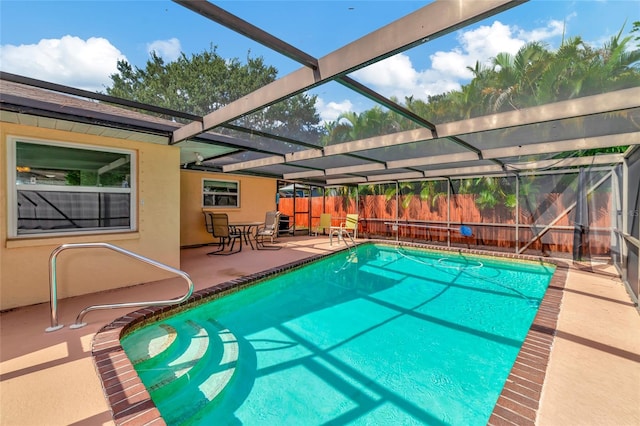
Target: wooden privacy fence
{"x": 491, "y": 227}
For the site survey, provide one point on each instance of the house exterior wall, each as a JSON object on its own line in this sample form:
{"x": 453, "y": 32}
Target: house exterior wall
{"x": 257, "y": 196}
{"x": 24, "y": 262}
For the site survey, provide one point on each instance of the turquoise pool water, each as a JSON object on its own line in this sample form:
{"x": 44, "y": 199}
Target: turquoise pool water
{"x": 385, "y": 335}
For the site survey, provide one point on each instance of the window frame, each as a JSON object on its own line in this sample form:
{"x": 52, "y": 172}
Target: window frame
{"x": 228, "y": 206}
{"x": 12, "y": 189}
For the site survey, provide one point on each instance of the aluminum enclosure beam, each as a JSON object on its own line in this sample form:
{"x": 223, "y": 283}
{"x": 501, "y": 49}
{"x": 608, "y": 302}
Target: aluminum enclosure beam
{"x": 387, "y": 103}
{"x": 382, "y": 141}
{"x": 567, "y": 162}
{"x": 301, "y": 175}
{"x": 462, "y": 171}
{"x": 596, "y": 104}
{"x": 562, "y": 214}
{"x": 413, "y": 29}
{"x": 222, "y": 17}
{"x": 355, "y": 169}
{"x": 622, "y": 139}
{"x": 589, "y": 105}
{"x": 346, "y": 180}
{"x": 393, "y": 139}
{"x": 597, "y": 160}
{"x": 268, "y": 161}
{"x": 395, "y": 176}
{"x": 234, "y": 23}
{"x": 59, "y": 88}
{"x": 433, "y": 160}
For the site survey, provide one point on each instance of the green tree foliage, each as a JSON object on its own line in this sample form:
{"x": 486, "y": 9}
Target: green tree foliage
{"x": 636, "y": 30}
{"x": 490, "y": 191}
{"x": 92, "y": 178}
{"x": 373, "y": 122}
{"x": 427, "y": 191}
{"x": 206, "y": 81}
{"x": 533, "y": 76}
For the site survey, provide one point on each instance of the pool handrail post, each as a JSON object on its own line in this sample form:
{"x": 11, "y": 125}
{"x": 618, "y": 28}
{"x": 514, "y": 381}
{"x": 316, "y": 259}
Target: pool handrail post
{"x": 53, "y": 291}
{"x": 78, "y": 324}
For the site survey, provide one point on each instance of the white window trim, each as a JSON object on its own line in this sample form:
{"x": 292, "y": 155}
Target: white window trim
{"x": 12, "y": 188}
{"x": 237, "y": 182}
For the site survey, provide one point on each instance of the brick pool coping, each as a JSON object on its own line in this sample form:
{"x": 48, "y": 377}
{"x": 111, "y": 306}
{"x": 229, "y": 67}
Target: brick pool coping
{"x": 518, "y": 403}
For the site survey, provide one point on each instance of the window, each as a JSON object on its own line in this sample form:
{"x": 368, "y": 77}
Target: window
{"x": 68, "y": 188}
{"x": 220, "y": 193}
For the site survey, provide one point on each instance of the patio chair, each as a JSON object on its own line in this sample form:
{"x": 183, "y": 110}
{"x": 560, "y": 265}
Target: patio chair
{"x": 325, "y": 223}
{"x": 349, "y": 226}
{"x": 269, "y": 229}
{"x": 218, "y": 225}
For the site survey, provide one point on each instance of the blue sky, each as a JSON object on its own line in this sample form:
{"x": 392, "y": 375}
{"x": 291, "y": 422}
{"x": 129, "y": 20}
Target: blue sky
{"x": 78, "y": 43}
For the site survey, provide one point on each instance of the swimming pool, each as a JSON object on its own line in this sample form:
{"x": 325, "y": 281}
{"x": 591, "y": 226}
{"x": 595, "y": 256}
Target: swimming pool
{"x": 384, "y": 335}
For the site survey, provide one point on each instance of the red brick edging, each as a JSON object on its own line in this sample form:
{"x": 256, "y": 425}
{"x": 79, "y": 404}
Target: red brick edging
{"x": 131, "y": 404}
{"x": 520, "y": 398}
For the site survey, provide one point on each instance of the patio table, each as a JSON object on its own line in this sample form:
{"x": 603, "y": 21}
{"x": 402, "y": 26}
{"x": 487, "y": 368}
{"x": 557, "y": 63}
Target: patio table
{"x": 245, "y": 228}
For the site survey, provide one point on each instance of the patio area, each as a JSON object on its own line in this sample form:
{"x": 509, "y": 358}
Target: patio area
{"x": 592, "y": 378}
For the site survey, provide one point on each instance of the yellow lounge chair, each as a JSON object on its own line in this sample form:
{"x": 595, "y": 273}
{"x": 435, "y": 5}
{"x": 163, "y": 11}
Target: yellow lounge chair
{"x": 325, "y": 223}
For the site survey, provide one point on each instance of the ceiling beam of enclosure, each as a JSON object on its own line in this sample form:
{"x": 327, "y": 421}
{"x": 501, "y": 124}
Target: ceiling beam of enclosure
{"x": 409, "y": 31}
{"x": 240, "y": 26}
{"x": 606, "y": 141}
{"x": 581, "y": 107}
{"x": 597, "y": 160}
{"x": 222, "y": 17}
{"x": 54, "y": 87}
{"x": 393, "y": 106}
{"x": 595, "y": 104}
{"x": 595, "y": 142}
{"x": 477, "y": 171}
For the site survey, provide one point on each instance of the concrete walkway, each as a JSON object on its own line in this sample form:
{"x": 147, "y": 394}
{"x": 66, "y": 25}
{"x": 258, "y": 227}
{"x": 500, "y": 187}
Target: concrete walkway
{"x": 593, "y": 376}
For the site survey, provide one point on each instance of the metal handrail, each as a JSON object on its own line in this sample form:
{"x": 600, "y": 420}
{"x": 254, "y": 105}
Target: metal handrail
{"x": 630, "y": 239}
{"x": 340, "y": 233}
{"x": 53, "y": 286}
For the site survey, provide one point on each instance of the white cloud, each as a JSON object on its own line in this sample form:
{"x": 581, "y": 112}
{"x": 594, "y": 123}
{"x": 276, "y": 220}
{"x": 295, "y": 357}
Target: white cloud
{"x": 397, "y": 76}
{"x": 486, "y": 42}
{"x": 451, "y": 65}
{"x": 330, "y": 111}
{"x": 554, "y": 28}
{"x": 71, "y": 61}
{"x": 395, "y": 71}
{"x": 169, "y": 50}
{"x": 394, "y": 76}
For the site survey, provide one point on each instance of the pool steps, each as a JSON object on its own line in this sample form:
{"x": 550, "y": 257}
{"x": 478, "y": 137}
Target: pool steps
{"x": 159, "y": 338}
{"x": 196, "y": 361}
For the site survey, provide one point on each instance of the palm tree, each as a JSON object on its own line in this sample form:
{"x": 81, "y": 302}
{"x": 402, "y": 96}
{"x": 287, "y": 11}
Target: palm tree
{"x": 516, "y": 76}
{"x": 615, "y": 66}
{"x": 489, "y": 191}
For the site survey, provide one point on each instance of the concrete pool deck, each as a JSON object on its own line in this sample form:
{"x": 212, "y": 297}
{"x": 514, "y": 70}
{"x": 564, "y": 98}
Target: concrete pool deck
{"x": 592, "y": 378}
